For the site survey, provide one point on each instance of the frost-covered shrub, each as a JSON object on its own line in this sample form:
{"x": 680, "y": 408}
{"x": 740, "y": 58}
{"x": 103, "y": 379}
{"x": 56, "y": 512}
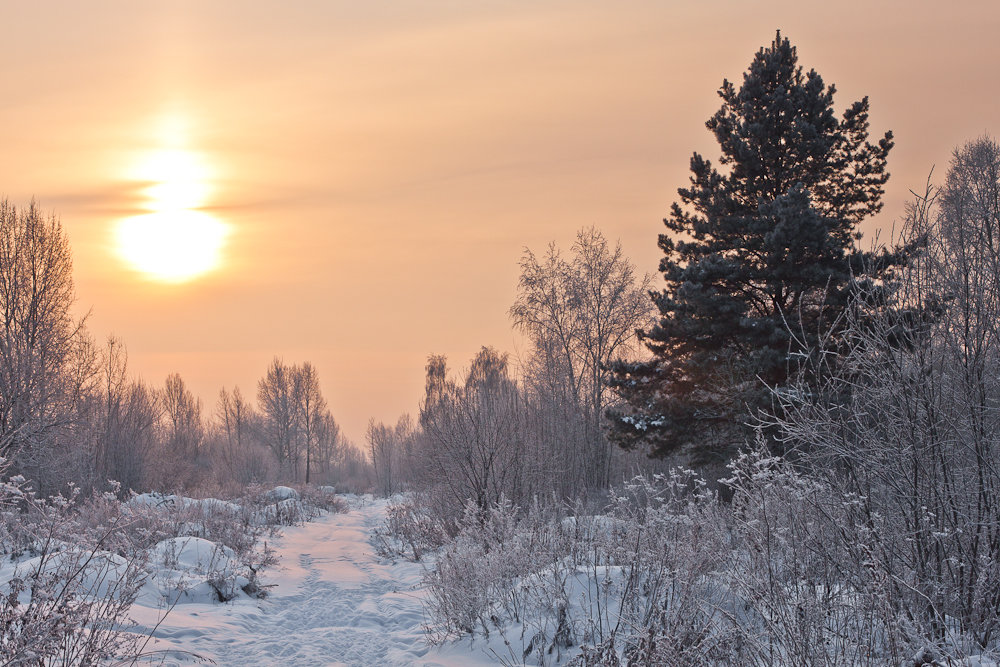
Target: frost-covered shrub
{"x": 238, "y": 528}
{"x": 153, "y": 520}
{"x": 672, "y": 544}
{"x": 409, "y": 531}
{"x": 323, "y": 497}
{"x": 641, "y": 582}
{"x": 64, "y": 596}
{"x": 475, "y": 578}
{"x": 71, "y": 567}
{"x": 285, "y": 506}
{"x": 811, "y": 572}
{"x": 68, "y": 607}
{"x": 795, "y": 570}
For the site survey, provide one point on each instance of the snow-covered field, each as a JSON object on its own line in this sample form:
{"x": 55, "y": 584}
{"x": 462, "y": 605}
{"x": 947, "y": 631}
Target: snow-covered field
{"x": 333, "y": 602}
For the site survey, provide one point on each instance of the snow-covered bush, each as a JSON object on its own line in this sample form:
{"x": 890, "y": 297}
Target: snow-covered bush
{"x": 68, "y": 607}
{"x": 892, "y": 510}
{"x": 239, "y": 529}
{"x": 154, "y": 519}
{"x": 72, "y": 566}
{"x": 323, "y": 497}
{"x": 476, "y": 581}
{"x": 279, "y": 493}
{"x": 196, "y": 569}
{"x": 409, "y": 531}
{"x": 64, "y": 596}
{"x": 641, "y": 582}
{"x": 794, "y": 570}
{"x": 805, "y": 573}
{"x": 285, "y": 506}
{"x": 672, "y": 544}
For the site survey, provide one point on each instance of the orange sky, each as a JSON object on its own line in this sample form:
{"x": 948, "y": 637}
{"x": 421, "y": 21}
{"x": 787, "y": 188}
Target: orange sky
{"x": 380, "y": 166}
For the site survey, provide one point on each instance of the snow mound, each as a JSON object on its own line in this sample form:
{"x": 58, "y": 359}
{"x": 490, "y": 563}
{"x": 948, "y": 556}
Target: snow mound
{"x": 196, "y": 570}
{"x": 281, "y": 493}
{"x": 98, "y": 574}
{"x": 212, "y": 505}
{"x": 153, "y": 500}
{"x": 193, "y": 553}
{"x": 169, "y": 501}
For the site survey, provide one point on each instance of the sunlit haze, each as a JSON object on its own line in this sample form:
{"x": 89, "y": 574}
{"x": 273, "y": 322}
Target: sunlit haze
{"x": 352, "y": 184}
{"x": 175, "y": 241}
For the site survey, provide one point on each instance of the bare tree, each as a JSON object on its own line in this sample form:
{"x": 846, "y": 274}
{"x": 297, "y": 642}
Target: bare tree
{"x": 128, "y": 415}
{"x": 231, "y": 411}
{"x": 387, "y": 447}
{"x": 350, "y": 468}
{"x": 183, "y": 413}
{"x": 580, "y": 314}
{"x": 311, "y": 409}
{"x": 37, "y": 332}
{"x": 279, "y": 422}
{"x": 964, "y": 237}
{"x": 474, "y": 433}
{"x": 180, "y": 456}
{"x": 241, "y": 454}
{"x": 330, "y": 444}
{"x": 906, "y": 425}
{"x": 382, "y": 450}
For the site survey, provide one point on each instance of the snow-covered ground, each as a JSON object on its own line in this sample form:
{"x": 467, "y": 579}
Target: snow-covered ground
{"x": 333, "y": 603}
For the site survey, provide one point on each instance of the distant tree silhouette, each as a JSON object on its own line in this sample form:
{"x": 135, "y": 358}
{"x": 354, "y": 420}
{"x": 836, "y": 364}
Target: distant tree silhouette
{"x": 759, "y": 258}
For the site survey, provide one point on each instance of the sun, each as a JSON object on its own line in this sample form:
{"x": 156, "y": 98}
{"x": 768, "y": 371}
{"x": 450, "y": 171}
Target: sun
{"x": 175, "y": 241}
{"x": 172, "y": 246}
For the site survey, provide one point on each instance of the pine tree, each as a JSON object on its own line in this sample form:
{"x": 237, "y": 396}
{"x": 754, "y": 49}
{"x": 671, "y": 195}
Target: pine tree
{"x": 759, "y": 249}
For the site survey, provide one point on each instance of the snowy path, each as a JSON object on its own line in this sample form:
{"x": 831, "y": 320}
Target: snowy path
{"x": 334, "y": 603}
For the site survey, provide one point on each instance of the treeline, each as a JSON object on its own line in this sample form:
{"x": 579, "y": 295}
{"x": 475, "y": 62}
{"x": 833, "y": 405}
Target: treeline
{"x": 535, "y": 426}
{"x": 71, "y": 411}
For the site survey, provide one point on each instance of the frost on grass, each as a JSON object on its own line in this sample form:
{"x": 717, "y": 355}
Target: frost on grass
{"x": 668, "y": 574}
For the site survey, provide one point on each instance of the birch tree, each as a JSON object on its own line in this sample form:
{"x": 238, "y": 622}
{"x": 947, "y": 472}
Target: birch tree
{"x": 580, "y": 314}
{"x": 310, "y": 409}
{"x": 277, "y": 405}
{"x": 37, "y": 331}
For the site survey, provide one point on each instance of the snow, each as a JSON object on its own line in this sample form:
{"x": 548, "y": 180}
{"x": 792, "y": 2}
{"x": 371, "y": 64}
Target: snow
{"x": 152, "y": 500}
{"x": 282, "y": 493}
{"x": 193, "y": 553}
{"x": 333, "y": 602}
{"x": 188, "y": 570}
{"x": 172, "y": 501}
{"x": 100, "y": 572}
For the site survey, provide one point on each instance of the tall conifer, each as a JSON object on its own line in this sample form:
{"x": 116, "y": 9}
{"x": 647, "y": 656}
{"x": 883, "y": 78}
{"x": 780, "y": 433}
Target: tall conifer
{"x": 759, "y": 248}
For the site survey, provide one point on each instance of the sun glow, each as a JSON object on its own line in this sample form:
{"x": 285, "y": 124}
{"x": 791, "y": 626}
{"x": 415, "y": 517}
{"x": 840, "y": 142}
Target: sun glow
{"x": 175, "y": 241}
{"x": 178, "y": 180}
